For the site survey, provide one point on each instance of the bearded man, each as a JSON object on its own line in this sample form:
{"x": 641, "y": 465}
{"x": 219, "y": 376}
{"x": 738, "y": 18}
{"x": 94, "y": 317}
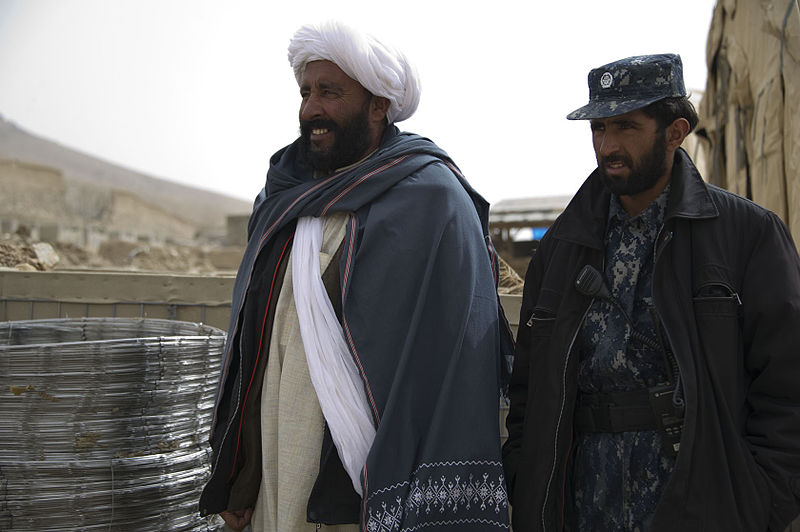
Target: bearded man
{"x": 655, "y": 376}
{"x": 366, "y": 344}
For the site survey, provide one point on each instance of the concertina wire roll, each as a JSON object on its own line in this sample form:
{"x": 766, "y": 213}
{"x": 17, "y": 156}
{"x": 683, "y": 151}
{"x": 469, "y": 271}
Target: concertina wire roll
{"x": 105, "y": 422}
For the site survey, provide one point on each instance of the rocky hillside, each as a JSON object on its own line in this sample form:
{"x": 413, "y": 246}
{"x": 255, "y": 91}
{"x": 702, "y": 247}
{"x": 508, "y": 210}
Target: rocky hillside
{"x": 53, "y": 181}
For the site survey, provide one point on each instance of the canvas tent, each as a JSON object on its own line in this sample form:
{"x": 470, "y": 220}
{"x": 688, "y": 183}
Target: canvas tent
{"x": 750, "y": 112}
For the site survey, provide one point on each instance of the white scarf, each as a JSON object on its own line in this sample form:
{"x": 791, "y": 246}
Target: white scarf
{"x": 334, "y": 374}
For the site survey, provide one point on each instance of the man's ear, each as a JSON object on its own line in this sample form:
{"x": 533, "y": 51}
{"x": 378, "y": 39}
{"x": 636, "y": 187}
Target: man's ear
{"x": 676, "y": 132}
{"x": 378, "y": 108}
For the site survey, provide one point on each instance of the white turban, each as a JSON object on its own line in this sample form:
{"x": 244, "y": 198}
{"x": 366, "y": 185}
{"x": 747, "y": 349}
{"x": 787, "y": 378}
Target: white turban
{"x": 380, "y": 69}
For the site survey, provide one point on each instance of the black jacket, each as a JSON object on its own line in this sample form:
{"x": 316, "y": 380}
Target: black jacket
{"x": 726, "y": 285}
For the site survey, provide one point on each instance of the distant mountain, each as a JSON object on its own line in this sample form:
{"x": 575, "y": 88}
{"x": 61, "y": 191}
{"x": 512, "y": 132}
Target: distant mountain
{"x": 206, "y": 210}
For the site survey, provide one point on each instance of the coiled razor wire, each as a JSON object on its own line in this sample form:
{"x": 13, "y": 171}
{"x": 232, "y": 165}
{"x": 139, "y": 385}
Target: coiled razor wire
{"x": 104, "y": 422}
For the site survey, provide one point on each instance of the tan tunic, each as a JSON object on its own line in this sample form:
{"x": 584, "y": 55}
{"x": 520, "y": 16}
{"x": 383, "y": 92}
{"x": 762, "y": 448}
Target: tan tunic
{"x": 291, "y": 418}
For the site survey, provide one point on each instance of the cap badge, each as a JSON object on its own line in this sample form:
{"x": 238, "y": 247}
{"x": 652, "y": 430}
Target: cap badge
{"x": 606, "y": 80}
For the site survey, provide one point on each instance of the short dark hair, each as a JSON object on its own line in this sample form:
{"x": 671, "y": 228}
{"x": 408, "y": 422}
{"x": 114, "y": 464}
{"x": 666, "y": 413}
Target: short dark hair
{"x": 668, "y": 110}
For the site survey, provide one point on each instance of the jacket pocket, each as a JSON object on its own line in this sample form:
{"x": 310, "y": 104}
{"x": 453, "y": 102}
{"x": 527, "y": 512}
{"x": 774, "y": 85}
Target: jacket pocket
{"x": 541, "y": 323}
{"x": 717, "y": 306}
{"x": 717, "y": 310}
{"x": 543, "y": 317}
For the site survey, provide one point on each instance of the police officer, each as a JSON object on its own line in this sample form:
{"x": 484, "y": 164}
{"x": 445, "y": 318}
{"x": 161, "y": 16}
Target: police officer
{"x": 654, "y": 385}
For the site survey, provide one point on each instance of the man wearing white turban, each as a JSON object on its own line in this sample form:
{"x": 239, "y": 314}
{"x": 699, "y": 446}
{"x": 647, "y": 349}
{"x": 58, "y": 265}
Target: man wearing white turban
{"x": 380, "y": 69}
{"x": 366, "y": 347}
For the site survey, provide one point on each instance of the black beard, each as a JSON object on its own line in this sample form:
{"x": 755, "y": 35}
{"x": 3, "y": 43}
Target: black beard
{"x": 351, "y": 142}
{"x": 644, "y": 175}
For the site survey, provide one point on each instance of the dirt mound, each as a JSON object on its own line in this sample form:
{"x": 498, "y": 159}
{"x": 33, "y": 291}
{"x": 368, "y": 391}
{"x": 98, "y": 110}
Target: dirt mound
{"x": 16, "y": 255}
{"x": 73, "y": 256}
{"x": 18, "y": 251}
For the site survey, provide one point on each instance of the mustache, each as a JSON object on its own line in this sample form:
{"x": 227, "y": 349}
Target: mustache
{"x": 308, "y": 125}
{"x": 616, "y": 159}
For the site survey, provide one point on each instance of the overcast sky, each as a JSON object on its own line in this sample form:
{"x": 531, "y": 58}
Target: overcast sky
{"x": 201, "y": 92}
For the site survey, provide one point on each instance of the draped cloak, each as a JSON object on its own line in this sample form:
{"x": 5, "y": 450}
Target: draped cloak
{"x": 422, "y": 320}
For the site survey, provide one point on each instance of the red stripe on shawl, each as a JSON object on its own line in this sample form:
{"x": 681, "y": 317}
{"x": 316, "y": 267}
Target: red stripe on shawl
{"x": 364, "y": 486}
{"x": 360, "y": 180}
{"x": 266, "y": 234}
{"x": 258, "y": 355}
{"x": 454, "y": 169}
{"x": 295, "y": 202}
{"x": 345, "y": 279}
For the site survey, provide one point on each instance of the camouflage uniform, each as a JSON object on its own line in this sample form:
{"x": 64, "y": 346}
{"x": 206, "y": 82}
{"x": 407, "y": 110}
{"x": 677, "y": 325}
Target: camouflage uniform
{"x": 618, "y": 477}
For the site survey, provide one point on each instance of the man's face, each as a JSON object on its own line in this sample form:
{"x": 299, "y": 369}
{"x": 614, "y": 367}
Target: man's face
{"x": 334, "y": 117}
{"x": 630, "y": 151}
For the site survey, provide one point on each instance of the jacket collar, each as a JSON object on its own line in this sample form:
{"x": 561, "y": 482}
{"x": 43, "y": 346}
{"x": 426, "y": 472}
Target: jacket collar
{"x": 689, "y": 196}
{"x": 584, "y": 220}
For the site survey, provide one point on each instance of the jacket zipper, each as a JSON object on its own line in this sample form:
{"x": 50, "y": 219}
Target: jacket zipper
{"x": 661, "y": 243}
{"x": 561, "y": 414}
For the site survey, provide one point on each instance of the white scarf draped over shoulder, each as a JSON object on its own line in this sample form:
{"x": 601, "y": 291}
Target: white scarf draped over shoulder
{"x": 333, "y": 371}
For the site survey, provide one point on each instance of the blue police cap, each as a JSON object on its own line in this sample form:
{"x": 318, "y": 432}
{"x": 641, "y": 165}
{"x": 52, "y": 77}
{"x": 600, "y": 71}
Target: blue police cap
{"x": 631, "y": 83}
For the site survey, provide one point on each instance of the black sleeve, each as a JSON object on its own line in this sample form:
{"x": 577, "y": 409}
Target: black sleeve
{"x": 518, "y": 387}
